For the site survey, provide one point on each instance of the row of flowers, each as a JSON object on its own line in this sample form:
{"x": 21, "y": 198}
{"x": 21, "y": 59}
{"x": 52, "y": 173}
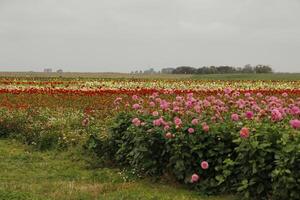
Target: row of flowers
{"x": 133, "y": 84}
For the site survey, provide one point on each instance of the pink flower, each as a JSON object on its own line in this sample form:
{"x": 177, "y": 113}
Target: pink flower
{"x": 166, "y": 127}
{"x": 249, "y": 114}
{"x": 205, "y": 127}
{"x": 235, "y": 117}
{"x": 204, "y": 165}
{"x": 176, "y": 109}
{"x": 189, "y": 104}
{"x": 155, "y": 113}
{"x": 191, "y": 130}
{"x": 135, "y": 97}
{"x": 85, "y": 122}
{"x": 247, "y": 94}
{"x": 276, "y": 115}
{"x": 117, "y": 100}
{"x": 244, "y": 132}
{"x": 168, "y": 135}
{"x": 164, "y": 104}
{"x": 227, "y": 90}
{"x": 136, "y": 106}
{"x": 177, "y": 121}
{"x": 295, "y": 123}
{"x": 260, "y": 95}
{"x": 152, "y": 104}
{"x": 206, "y": 103}
{"x": 179, "y": 98}
{"x": 136, "y": 122}
{"x": 158, "y": 122}
{"x": 197, "y": 108}
{"x": 195, "y": 122}
{"x": 285, "y": 94}
{"x": 295, "y": 110}
{"x": 195, "y": 178}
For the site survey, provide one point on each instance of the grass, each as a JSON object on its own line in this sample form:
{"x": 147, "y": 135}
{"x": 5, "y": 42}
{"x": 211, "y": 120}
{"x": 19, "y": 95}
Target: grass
{"x": 32, "y": 175}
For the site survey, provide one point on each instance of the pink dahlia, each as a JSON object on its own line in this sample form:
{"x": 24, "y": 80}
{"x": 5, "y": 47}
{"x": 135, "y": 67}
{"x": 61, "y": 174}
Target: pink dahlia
{"x": 249, "y": 114}
{"x": 244, "y": 132}
{"x": 168, "y": 135}
{"x": 155, "y": 113}
{"x": 191, "y": 130}
{"x": 136, "y": 122}
{"x": 195, "y": 122}
{"x": 177, "y": 121}
{"x": 205, "y": 128}
{"x": 136, "y": 106}
{"x": 235, "y": 117}
{"x": 195, "y": 178}
{"x": 204, "y": 165}
{"x": 295, "y": 123}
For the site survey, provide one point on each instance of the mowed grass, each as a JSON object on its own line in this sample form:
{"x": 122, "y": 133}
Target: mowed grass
{"x": 32, "y": 175}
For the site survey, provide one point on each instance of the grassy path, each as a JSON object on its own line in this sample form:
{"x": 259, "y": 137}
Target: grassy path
{"x": 31, "y": 175}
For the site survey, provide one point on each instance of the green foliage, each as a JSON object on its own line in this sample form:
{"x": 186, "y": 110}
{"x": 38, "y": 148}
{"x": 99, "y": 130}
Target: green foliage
{"x": 46, "y": 129}
{"x": 265, "y": 165}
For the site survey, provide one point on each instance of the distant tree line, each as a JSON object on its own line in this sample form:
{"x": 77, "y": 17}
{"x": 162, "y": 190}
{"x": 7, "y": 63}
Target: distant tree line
{"x": 259, "y": 69}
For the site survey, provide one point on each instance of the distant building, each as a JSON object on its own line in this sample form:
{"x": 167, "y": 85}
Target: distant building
{"x": 167, "y": 70}
{"x": 60, "y": 71}
{"x": 47, "y": 70}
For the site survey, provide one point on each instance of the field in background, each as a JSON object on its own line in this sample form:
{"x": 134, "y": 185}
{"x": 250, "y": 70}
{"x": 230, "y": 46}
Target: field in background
{"x": 275, "y": 76}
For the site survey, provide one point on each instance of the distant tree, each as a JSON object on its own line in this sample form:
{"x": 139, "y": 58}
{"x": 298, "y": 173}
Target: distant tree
{"x": 185, "y": 70}
{"x": 248, "y": 69}
{"x": 260, "y": 69}
{"x": 225, "y": 70}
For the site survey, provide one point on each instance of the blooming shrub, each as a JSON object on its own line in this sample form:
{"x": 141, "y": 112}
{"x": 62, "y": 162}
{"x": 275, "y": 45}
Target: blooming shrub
{"x": 215, "y": 144}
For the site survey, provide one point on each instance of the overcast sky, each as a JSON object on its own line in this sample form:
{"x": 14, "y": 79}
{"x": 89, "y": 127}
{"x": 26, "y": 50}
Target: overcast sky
{"x": 125, "y": 35}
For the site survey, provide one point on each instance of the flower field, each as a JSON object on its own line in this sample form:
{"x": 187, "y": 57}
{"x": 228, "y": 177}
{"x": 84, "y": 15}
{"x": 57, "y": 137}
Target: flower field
{"x": 216, "y": 137}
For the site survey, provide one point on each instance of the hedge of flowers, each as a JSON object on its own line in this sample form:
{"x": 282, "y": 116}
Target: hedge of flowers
{"x": 225, "y": 143}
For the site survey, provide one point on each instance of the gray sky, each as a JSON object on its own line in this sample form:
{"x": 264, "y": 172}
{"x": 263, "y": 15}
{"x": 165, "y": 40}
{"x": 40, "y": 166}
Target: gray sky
{"x": 124, "y": 35}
